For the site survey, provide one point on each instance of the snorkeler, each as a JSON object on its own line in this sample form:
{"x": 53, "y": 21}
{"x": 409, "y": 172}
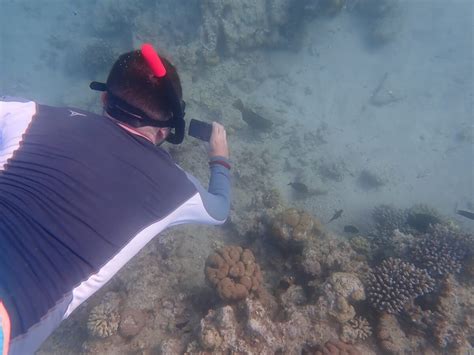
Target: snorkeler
{"x": 81, "y": 193}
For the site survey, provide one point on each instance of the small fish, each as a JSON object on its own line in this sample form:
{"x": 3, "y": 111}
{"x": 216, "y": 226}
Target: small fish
{"x": 181, "y": 325}
{"x": 299, "y": 187}
{"x": 253, "y": 119}
{"x": 351, "y": 229}
{"x": 337, "y": 214}
{"x": 466, "y": 214}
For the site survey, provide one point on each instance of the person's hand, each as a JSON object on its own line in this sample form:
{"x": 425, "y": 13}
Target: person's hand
{"x": 218, "y": 141}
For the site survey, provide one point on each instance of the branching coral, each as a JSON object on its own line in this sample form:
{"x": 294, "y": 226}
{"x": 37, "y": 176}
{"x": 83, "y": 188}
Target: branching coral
{"x": 394, "y": 282}
{"x": 356, "y": 329}
{"x": 233, "y": 272}
{"x": 440, "y": 252}
{"x": 387, "y": 218}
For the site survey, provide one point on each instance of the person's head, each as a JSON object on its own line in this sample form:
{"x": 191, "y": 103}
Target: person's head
{"x": 132, "y": 80}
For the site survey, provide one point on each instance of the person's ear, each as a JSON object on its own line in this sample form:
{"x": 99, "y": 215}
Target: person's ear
{"x": 103, "y": 97}
{"x": 162, "y": 133}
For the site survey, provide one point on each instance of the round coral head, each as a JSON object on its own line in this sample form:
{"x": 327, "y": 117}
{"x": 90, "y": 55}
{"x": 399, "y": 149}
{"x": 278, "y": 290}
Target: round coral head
{"x": 153, "y": 60}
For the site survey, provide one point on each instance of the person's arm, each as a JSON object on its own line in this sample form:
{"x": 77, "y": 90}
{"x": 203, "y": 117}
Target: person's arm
{"x": 216, "y": 199}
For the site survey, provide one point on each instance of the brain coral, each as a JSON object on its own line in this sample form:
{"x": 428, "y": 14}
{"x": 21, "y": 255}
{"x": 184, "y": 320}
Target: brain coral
{"x": 233, "y": 272}
{"x": 394, "y": 282}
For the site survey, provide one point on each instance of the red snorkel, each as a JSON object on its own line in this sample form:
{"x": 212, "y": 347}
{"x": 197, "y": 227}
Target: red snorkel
{"x": 153, "y": 60}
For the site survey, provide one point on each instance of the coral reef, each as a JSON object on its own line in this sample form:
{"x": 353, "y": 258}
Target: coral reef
{"x": 361, "y": 245}
{"x": 310, "y": 262}
{"x": 233, "y": 272}
{"x": 395, "y": 282}
{"x": 291, "y": 228}
{"x": 421, "y": 216}
{"x": 326, "y": 254}
{"x": 104, "y": 318}
{"x": 356, "y": 329}
{"x": 131, "y": 323}
{"x": 440, "y": 251}
{"x": 338, "y": 292}
{"x": 249, "y": 330}
{"x": 391, "y": 337}
{"x": 336, "y": 347}
{"x": 229, "y": 26}
{"x": 315, "y": 295}
{"x": 387, "y": 218}
{"x": 453, "y": 319}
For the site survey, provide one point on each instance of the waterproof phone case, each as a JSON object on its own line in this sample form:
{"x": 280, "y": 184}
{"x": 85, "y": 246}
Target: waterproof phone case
{"x": 199, "y": 129}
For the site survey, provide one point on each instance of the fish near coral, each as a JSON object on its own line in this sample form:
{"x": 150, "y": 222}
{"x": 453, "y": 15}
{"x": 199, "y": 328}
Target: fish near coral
{"x": 351, "y": 229}
{"x": 337, "y": 214}
{"x": 253, "y": 119}
{"x": 299, "y": 187}
{"x": 303, "y": 191}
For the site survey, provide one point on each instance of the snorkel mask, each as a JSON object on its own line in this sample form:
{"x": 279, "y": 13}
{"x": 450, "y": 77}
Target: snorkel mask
{"x": 118, "y": 108}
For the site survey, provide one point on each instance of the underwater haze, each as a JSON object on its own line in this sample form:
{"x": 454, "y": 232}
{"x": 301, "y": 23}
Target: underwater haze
{"x": 351, "y": 130}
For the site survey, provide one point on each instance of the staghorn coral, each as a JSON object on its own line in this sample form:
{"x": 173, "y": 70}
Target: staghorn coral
{"x": 440, "y": 251}
{"x": 394, "y": 282}
{"x": 355, "y": 329}
{"x": 291, "y": 228}
{"x": 233, "y": 272}
{"x": 104, "y": 318}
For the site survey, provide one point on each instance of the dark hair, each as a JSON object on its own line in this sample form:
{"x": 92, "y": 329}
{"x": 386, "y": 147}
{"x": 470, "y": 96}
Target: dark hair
{"x": 132, "y": 80}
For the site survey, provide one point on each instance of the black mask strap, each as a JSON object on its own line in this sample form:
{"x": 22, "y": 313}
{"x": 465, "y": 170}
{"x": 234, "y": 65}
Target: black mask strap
{"x": 124, "y": 112}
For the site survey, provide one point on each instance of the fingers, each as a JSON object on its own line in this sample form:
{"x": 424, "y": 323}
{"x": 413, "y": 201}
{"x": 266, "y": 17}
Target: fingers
{"x": 218, "y": 141}
{"x": 218, "y": 129}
